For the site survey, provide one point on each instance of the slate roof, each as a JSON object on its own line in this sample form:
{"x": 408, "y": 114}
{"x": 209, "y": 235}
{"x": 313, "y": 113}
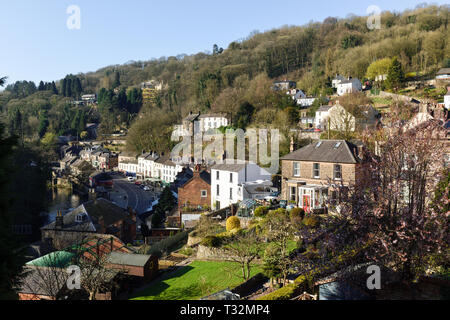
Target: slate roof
{"x": 443, "y": 71}
{"x": 127, "y": 259}
{"x": 192, "y": 117}
{"x": 35, "y": 278}
{"x": 324, "y": 108}
{"x": 326, "y": 152}
{"x": 238, "y": 167}
{"x": 95, "y": 209}
{"x": 204, "y": 175}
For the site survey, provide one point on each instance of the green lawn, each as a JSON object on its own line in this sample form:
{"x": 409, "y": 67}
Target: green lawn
{"x": 195, "y": 281}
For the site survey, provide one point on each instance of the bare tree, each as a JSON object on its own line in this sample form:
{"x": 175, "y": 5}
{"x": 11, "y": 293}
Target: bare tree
{"x": 243, "y": 249}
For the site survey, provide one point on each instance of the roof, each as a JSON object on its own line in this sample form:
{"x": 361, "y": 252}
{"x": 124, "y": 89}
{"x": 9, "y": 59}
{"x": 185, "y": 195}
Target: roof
{"x": 70, "y": 223}
{"x": 212, "y": 115}
{"x": 204, "y": 175}
{"x": 110, "y": 212}
{"x": 127, "y": 259}
{"x": 36, "y": 280}
{"x": 192, "y": 117}
{"x": 237, "y": 167}
{"x": 443, "y": 71}
{"x": 96, "y": 209}
{"x": 58, "y": 259}
{"x": 324, "y": 108}
{"x": 334, "y": 151}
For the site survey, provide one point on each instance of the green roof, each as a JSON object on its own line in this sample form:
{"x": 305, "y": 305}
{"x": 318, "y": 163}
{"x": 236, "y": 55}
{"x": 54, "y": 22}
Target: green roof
{"x": 58, "y": 259}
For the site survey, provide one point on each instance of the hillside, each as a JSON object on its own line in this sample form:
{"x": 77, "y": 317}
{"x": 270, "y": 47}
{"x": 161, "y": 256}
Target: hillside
{"x": 236, "y": 79}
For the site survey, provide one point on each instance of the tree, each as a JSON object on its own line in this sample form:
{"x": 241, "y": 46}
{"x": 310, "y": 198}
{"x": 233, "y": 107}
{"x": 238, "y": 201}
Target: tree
{"x": 395, "y": 76}
{"x": 378, "y": 68}
{"x": 116, "y": 82}
{"x": 10, "y": 256}
{"x": 244, "y": 115}
{"x": 243, "y": 249}
{"x": 279, "y": 230}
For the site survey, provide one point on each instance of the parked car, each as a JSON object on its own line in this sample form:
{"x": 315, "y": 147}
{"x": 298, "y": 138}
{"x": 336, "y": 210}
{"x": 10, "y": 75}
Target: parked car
{"x": 131, "y": 179}
{"x": 138, "y": 183}
{"x": 145, "y": 188}
{"x": 283, "y": 204}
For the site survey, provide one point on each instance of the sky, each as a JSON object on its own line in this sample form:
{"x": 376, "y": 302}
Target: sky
{"x": 38, "y": 45}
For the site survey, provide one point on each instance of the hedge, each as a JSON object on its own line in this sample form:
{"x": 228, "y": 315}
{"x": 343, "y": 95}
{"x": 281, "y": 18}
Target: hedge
{"x": 289, "y": 291}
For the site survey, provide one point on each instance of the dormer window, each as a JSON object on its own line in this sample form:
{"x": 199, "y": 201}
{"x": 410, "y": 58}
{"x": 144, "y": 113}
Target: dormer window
{"x": 80, "y": 217}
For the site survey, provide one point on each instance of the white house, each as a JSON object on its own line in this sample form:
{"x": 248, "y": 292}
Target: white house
{"x": 166, "y": 170}
{"x": 337, "y": 80}
{"x": 447, "y": 99}
{"x": 255, "y": 190}
{"x": 443, "y": 74}
{"x": 348, "y": 86}
{"x": 322, "y": 115}
{"x": 226, "y": 179}
{"x": 306, "y": 101}
{"x": 212, "y": 121}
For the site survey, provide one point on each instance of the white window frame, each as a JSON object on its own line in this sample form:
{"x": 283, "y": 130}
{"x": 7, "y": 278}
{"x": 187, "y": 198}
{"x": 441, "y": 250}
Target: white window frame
{"x": 314, "y": 170}
{"x": 296, "y": 171}
{"x": 204, "y": 193}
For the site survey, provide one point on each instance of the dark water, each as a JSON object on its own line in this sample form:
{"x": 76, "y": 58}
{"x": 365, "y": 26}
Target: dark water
{"x": 64, "y": 200}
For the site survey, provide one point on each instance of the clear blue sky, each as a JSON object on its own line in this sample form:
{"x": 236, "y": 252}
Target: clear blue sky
{"x": 37, "y": 45}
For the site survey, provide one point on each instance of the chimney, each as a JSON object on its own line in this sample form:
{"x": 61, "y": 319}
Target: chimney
{"x": 197, "y": 170}
{"x": 292, "y": 145}
{"x": 101, "y": 223}
{"x": 59, "y": 222}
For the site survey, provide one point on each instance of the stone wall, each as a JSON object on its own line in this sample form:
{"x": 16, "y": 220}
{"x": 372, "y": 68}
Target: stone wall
{"x": 213, "y": 254}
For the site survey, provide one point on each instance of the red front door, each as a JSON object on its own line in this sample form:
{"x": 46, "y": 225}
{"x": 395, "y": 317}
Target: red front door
{"x": 307, "y": 204}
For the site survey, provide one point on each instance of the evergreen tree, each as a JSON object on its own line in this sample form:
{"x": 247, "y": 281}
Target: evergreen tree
{"x": 64, "y": 87}
{"x": 53, "y": 88}
{"x": 395, "y": 75}
{"x": 116, "y": 82}
{"x": 41, "y": 86}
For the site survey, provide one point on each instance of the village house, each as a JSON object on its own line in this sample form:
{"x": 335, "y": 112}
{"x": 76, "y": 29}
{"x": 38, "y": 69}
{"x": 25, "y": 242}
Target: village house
{"x": 284, "y": 85}
{"x": 196, "y": 193}
{"x": 349, "y": 85}
{"x": 315, "y": 173}
{"x": 204, "y": 123}
{"x": 226, "y": 178}
{"x": 337, "y": 80}
{"x": 340, "y": 119}
{"x": 443, "y": 74}
{"x": 256, "y": 190}
{"x": 98, "y": 216}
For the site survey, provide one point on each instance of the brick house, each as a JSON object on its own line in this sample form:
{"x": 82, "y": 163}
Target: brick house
{"x": 197, "y": 191}
{"x": 317, "y": 173}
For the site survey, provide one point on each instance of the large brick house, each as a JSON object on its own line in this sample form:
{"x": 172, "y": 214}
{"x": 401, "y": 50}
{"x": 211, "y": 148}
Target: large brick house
{"x": 314, "y": 174}
{"x": 197, "y": 191}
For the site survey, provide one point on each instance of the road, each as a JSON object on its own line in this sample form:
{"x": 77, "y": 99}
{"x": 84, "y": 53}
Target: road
{"x": 138, "y": 199}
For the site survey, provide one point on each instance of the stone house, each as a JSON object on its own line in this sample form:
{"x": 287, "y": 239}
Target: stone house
{"x": 318, "y": 172}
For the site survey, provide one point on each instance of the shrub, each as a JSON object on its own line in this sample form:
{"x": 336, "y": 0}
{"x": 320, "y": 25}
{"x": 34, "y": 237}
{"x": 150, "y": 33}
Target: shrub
{"x": 297, "y": 214}
{"x": 311, "y": 221}
{"x": 211, "y": 241}
{"x": 233, "y": 223}
{"x": 168, "y": 244}
{"x": 261, "y": 212}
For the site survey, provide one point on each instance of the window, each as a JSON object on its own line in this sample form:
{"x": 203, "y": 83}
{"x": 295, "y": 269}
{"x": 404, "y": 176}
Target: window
{"x": 296, "y": 169}
{"x": 218, "y": 190}
{"x": 204, "y": 194}
{"x": 217, "y": 175}
{"x": 293, "y": 193}
{"x": 231, "y": 177}
{"x": 337, "y": 172}
{"x": 316, "y": 171}
{"x": 231, "y": 193}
